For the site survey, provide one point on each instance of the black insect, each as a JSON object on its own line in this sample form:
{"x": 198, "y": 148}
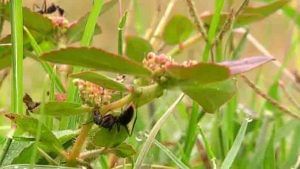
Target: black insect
{"x": 30, "y": 104}
{"x": 109, "y": 121}
{"x": 51, "y": 9}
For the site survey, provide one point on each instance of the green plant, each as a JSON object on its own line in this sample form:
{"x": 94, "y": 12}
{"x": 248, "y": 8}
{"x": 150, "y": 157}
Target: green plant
{"x": 99, "y": 85}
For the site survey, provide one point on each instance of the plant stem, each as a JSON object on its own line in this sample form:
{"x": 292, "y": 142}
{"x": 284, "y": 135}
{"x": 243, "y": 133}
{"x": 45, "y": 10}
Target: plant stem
{"x": 92, "y": 153}
{"x": 17, "y": 57}
{"x": 162, "y": 23}
{"x": 269, "y": 99}
{"x": 177, "y": 49}
{"x": 79, "y": 143}
{"x": 17, "y": 63}
{"x": 198, "y": 22}
{"x": 117, "y": 104}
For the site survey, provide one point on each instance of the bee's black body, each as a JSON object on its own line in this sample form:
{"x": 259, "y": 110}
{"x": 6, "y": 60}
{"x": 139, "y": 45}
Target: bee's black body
{"x": 108, "y": 120}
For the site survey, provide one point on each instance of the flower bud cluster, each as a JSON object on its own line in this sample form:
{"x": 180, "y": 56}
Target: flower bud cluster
{"x": 93, "y": 94}
{"x": 157, "y": 63}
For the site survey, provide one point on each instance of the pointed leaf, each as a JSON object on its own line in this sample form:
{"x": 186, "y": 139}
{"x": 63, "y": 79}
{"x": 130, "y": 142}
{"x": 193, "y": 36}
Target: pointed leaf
{"x": 227, "y": 163}
{"x": 15, "y": 150}
{"x": 96, "y": 59}
{"x": 137, "y": 48}
{"x": 100, "y": 80}
{"x": 123, "y": 150}
{"x": 201, "y": 73}
{"x": 31, "y": 125}
{"x": 178, "y": 29}
{"x": 246, "y": 64}
{"x": 75, "y": 32}
{"x": 249, "y": 14}
{"x": 266, "y": 10}
{"x": 211, "y": 96}
{"x": 60, "y": 109}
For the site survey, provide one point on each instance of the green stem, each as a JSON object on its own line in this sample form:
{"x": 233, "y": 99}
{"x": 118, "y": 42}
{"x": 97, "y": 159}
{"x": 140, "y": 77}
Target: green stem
{"x": 79, "y": 143}
{"x": 17, "y": 63}
{"x": 17, "y": 57}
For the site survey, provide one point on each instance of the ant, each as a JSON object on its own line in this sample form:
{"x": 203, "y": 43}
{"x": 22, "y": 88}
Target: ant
{"x": 51, "y": 9}
{"x": 108, "y": 120}
{"x": 30, "y": 104}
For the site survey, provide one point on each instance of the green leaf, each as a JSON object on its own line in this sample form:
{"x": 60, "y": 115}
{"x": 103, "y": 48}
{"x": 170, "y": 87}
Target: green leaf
{"x": 103, "y": 137}
{"x": 201, "y": 73}
{"x": 100, "y": 79}
{"x": 249, "y": 14}
{"x": 123, "y": 150}
{"x": 191, "y": 132}
{"x": 96, "y": 59}
{"x": 15, "y": 150}
{"x": 178, "y": 29}
{"x": 33, "y": 20}
{"x": 211, "y": 96}
{"x": 137, "y": 48}
{"x": 65, "y": 135}
{"x": 270, "y": 159}
{"x": 75, "y": 32}
{"x": 31, "y": 125}
{"x": 235, "y": 147}
{"x": 60, "y": 109}
{"x": 293, "y": 14}
{"x": 266, "y": 10}
{"x": 108, "y": 5}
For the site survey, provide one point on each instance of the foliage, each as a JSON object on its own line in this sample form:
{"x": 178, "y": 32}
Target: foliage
{"x": 84, "y": 115}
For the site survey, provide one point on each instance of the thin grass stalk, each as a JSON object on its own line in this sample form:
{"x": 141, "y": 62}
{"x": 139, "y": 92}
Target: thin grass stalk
{"x": 227, "y": 163}
{"x": 269, "y": 99}
{"x": 17, "y": 63}
{"x": 153, "y": 133}
{"x": 160, "y": 27}
{"x": 17, "y": 57}
{"x": 37, "y": 49}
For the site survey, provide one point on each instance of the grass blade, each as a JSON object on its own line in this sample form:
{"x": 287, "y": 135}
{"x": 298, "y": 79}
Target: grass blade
{"x": 91, "y": 23}
{"x": 17, "y": 57}
{"x": 153, "y": 133}
{"x": 235, "y": 146}
{"x": 45, "y": 65}
{"x": 191, "y": 132}
{"x": 170, "y": 154}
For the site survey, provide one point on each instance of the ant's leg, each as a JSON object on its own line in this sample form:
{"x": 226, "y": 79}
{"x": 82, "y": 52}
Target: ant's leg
{"x": 133, "y": 125}
{"x": 44, "y": 7}
{"x": 60, "y": 11}
{"x": 127, "y": 130}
